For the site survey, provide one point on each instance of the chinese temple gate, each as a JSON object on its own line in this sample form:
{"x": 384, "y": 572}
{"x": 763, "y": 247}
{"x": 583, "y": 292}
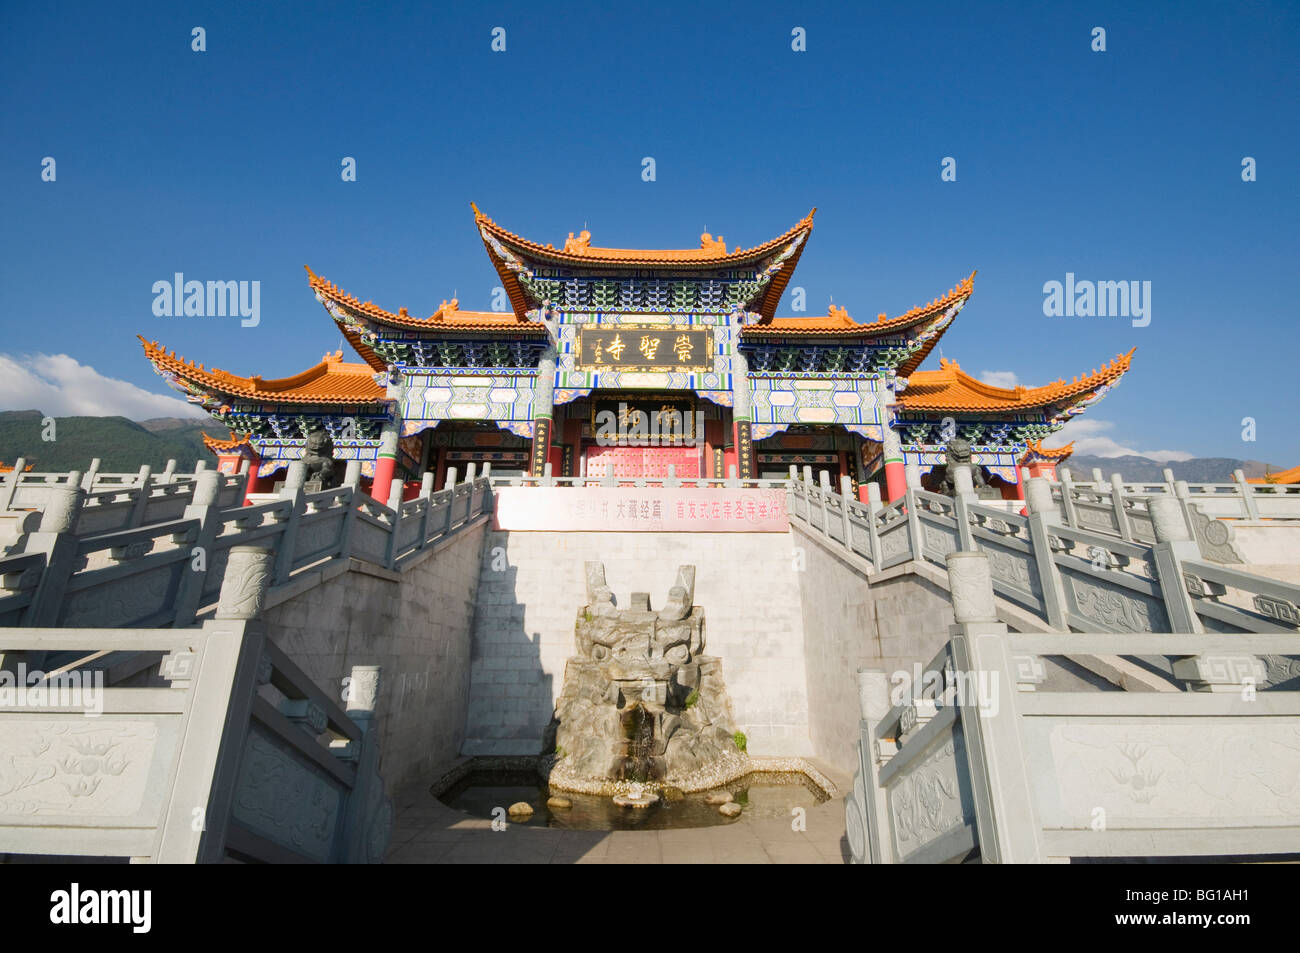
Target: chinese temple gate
{"x": 630, "y": 361}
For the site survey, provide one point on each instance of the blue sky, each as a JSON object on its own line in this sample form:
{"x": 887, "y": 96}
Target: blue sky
{"x": 1122, "y": 165}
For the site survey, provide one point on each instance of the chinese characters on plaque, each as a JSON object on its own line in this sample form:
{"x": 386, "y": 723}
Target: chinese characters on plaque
{"x": 646, "y": 348}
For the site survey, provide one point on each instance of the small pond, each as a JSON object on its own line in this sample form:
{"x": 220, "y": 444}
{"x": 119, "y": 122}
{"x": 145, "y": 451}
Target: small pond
{"x": 761, "y": 794}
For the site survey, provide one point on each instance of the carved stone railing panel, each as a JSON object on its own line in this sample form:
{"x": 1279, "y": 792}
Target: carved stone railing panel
{"x": 1077, "y": 772}
{"x": 931, "y": 797}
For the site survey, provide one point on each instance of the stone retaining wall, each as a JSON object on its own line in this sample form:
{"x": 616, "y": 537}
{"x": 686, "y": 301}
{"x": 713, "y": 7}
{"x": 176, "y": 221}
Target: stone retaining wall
{"x": 416, "y": 624}
{"x": 531, "y": 588}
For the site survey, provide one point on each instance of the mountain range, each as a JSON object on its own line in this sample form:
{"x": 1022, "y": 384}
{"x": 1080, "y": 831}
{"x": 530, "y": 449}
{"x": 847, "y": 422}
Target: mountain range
{"x": 122, "y": 445}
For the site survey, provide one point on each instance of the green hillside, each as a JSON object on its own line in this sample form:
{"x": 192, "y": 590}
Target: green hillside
{"x": 122, "y": 445}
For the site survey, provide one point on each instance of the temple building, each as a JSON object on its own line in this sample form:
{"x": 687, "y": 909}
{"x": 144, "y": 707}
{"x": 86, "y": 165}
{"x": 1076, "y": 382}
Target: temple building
{"x": 599, "y": 335}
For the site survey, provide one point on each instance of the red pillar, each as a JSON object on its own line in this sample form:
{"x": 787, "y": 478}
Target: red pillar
{"x": 229, "y": 463}
{"x": 386, "y": 462}
{"x": 895, "y": 480}
{"x": 892, "y": 450}
{"x": 382, "y": 484}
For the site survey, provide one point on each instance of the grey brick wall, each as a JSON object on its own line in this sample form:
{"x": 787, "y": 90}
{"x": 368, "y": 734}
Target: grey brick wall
{"x": 532, "y": 586}
{"x": 849, "y": 625}
{"x": 418, "y": 629}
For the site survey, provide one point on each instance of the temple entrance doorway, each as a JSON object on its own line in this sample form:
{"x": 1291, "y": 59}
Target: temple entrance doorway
{"x": 636, "y": 462}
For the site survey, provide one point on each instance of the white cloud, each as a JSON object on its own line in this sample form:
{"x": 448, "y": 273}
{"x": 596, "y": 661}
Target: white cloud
{"x": 1089, "y": 438}
{"x": 61, "y": 386}
{"x": 1007, "y": 379}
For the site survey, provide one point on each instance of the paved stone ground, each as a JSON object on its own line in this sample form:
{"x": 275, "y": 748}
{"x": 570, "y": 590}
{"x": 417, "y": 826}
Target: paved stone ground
{"x": 426, "y": 831}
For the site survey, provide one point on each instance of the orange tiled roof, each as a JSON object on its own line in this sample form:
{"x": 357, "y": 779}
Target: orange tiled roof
{"x": 838, "y": 323}
{"x": 332, "y": 381}
{"x": 952, "y": 389}
{"x": 1036, "y": 448}
{"x": 579, "y": 251}
{"x": 448, "y": 317}
{"x": 1282, "y": 476}
{"x": 217, "y": 445}
{"x": 7, "y": 468}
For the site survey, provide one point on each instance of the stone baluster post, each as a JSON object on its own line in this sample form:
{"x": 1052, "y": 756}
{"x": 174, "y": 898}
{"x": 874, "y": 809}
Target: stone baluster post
{"x": 367, "y": 820}
{"x": 1247, "y": 494}
{"x": 169, "y": 472}
{"x": 205, "y": 508}
{"x": 1068, "y": 493}
{"x": 352, "y": 481}
{"x": 244, "y": 481}
{"x": 1174, "y": 544}
{"x": 450, "y": 489}
{"x": 11, "y": 483}
{"x": 875, "y": 505}
{"x": 963, "y": 498}
{"x": 987, "y": 681}
{"x": 56, "y": 538}
{"x": 486, "y": 477}
{"x": 912, "y": 481}
{"x": 1117, "y": 505}
{"x": 142, "y": 485}
{"x": 426, "y": 494}
{"x": 846, "y": 497}
{"x": 469, "y": 493}
{"x": 824, "y": 494}
{"x": 92, "y": 473}
{"x": 288, "y": 539}
{"x": 867, "y": 820}
{"x": 395, "y": 493}
{"x": 206, "y": 773}
{"x": 1043, "y": 516}
{"x": 250, "y": 572}
{"x": 1167, "y": 475}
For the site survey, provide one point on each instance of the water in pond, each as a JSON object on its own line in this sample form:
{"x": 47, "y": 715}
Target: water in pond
{"x": 765, "y": 795}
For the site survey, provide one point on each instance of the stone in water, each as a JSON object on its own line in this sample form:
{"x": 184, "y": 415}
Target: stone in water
{"x": 730, "y": 809}
{"x": 520, "y": 809}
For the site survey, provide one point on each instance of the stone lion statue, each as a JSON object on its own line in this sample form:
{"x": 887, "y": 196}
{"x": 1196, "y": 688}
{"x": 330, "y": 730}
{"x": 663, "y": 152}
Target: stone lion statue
{"x": 319, "y": 460}
{"x": 957, "y": 454}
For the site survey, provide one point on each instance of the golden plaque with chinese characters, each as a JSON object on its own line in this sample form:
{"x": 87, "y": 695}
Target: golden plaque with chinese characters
{"x": 628, "y": 347}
